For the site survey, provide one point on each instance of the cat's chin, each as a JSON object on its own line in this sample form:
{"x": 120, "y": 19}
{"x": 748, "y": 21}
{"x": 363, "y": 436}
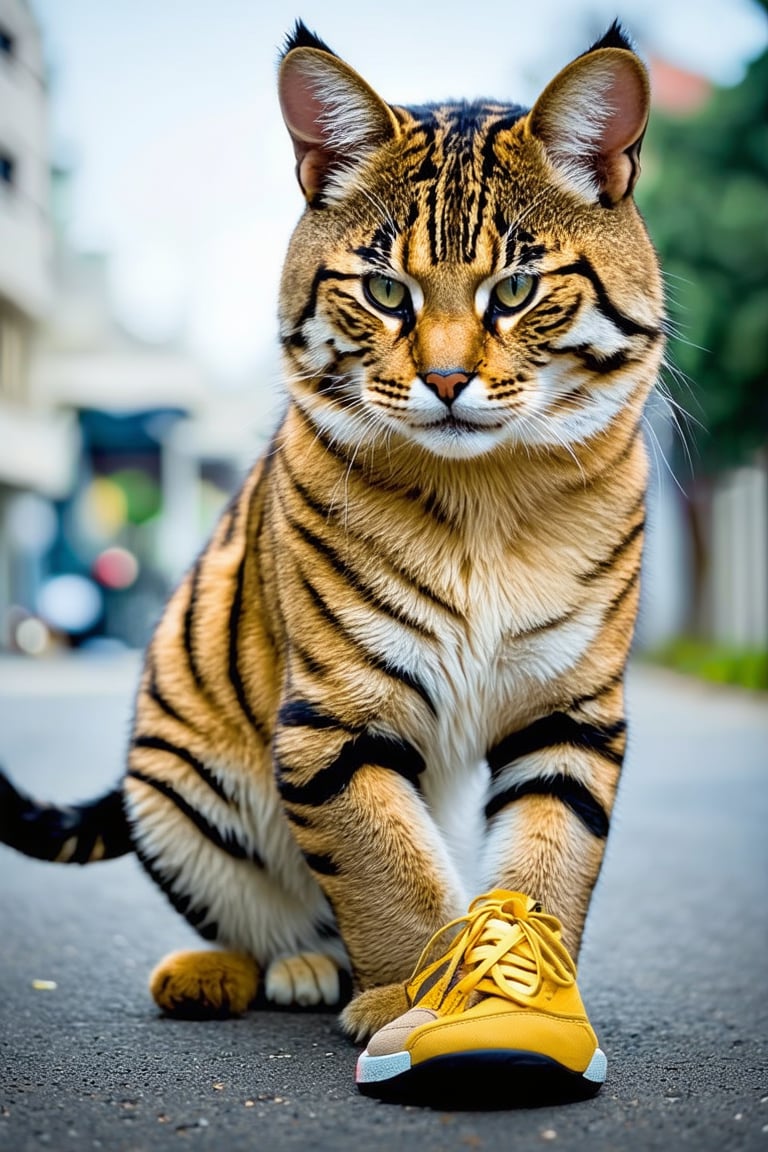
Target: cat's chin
{"x": 455, "y": 441}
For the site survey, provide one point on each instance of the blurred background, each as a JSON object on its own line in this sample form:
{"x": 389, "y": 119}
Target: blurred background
{"x": 146, "y": 198}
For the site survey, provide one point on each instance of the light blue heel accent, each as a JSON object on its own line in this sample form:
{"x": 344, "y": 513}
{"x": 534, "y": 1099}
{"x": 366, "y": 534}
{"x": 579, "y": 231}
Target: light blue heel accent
{"x": 597, "y": 1067}
{"x": 373, "y": 1068}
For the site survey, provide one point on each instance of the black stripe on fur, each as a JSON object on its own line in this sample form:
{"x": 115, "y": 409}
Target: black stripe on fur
{"x": 198, "y": 917}
{"x": 158, "y": 744}
{"x": 388, "y": 667}
{"x": 553, "y": 730}
{"x": 570, "y": 792}
{"x": 329, "y": 782}
{"x": 226, "y": 841}
{"x": 625, "y": 324}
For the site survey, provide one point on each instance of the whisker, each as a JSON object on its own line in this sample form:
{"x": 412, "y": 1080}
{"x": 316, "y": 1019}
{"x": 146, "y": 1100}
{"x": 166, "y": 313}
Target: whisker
{"x": 526, "y": 212}
{"x": 653, "y": 441}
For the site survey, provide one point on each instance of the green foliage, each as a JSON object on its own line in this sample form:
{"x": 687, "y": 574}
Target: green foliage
{"x": 747, "y": 668}
{"x": 705, "y": 198}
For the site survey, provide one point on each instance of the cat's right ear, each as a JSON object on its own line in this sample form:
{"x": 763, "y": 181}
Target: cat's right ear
{"x": 335, "y": 119}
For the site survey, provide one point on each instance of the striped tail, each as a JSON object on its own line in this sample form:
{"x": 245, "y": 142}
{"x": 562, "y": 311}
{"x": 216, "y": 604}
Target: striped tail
{"x": 74, "y": 834}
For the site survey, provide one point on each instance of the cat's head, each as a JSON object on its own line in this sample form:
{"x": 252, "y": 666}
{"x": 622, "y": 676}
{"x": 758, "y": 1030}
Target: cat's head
{"x": 469, "y": 275}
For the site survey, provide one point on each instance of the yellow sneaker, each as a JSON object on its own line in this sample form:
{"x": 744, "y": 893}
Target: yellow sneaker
{"x": 496, "y": 1019}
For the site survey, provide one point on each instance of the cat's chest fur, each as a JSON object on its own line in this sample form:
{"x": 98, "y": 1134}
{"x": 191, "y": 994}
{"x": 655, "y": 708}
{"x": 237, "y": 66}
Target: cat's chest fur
{"x": 478, "y": 671}
{"x": 490, "y": 672}
{"x": 488, "y": 675}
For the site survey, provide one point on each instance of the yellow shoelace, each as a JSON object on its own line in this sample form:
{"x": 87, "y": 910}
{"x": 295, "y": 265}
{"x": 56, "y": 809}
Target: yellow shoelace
{"x": 505, "y": 946}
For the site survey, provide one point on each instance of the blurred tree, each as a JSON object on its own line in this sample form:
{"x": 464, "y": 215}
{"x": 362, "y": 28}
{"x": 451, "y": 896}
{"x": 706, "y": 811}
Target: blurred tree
{"x": 706, "y": 202}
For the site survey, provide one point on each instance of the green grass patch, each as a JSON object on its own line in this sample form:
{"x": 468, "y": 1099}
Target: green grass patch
{"x": 746, "y": 667}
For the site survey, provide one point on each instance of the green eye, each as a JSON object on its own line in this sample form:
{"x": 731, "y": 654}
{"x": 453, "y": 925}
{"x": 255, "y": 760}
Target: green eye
{"x": 513, "y": 292}
{"x": 388, "y": 294}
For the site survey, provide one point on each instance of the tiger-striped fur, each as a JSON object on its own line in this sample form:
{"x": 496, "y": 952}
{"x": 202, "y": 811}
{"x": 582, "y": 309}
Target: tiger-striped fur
{"x": 394, "y": 677}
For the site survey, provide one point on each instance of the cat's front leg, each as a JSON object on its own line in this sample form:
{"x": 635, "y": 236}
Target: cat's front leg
{"x": 548, "y": 811}
{"x": 355, "y": 808}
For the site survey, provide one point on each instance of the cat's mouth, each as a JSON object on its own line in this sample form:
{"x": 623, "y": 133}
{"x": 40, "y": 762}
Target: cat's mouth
{"x": 460, "y": 425}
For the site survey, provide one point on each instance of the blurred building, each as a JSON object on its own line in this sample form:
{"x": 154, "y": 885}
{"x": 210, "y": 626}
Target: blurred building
{"x": 103, "y": 501}
{"x": 162, "y": 446}
{"x": 124, "y": 395}
{"x": 38, "y": 443}
{"x": 115, "y": 454}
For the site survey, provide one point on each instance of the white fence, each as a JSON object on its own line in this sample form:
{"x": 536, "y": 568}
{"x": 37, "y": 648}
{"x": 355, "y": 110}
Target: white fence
{"x": 717, "y": 590}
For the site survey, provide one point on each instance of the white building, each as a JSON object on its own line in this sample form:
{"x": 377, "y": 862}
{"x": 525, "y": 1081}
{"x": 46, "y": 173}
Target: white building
{"x": 38, "y": 444}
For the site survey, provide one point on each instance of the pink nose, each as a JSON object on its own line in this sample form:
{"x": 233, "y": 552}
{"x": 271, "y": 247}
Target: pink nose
{"x": 447, "y": 385}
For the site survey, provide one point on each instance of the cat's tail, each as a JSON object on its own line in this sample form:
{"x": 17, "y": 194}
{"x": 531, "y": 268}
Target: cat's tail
{"x": 70, "y": 834}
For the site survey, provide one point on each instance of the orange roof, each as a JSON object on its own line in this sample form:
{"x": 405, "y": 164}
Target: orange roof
{"x": 675, "y": 90}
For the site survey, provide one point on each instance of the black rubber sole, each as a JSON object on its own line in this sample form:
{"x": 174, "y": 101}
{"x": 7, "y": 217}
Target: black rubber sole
{"x": 487, "y": 1079}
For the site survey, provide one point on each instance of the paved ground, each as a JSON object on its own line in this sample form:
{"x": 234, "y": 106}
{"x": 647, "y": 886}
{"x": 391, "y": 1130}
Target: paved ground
{"x": 674, "y": 971}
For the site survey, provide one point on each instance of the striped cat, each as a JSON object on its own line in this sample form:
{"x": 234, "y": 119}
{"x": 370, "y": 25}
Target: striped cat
{"x": 394, "y": 677}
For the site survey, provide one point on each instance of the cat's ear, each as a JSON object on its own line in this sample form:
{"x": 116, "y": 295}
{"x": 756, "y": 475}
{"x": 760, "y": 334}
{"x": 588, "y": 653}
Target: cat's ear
{"x": 335, "y": 119}
{"x": 591, "y": 119}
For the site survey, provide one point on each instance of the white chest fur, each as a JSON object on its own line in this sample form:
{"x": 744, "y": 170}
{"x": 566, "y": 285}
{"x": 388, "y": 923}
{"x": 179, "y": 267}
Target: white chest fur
{"x": 514, "y": 640}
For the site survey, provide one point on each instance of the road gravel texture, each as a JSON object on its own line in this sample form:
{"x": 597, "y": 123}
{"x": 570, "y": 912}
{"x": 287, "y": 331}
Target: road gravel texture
{"x": 674, "y": 970}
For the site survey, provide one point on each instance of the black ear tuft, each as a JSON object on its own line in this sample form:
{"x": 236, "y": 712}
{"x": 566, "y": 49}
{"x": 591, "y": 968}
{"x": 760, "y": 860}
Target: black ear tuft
{"x": 302, "y": 37}
{"x": 615, "y": 37}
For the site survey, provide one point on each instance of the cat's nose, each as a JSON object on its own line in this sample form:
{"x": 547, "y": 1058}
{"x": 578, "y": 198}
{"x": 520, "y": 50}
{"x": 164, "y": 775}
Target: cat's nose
{"x": 447, "y": 383}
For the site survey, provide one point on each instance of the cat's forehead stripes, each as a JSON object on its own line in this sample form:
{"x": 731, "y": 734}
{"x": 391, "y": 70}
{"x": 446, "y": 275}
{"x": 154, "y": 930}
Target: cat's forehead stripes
{"x": 451, "y": 150}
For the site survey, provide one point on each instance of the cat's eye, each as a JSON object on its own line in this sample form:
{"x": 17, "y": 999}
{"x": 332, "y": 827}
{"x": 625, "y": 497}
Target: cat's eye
{"x": 511, "y": 293}
{"x": 387, "y": 294}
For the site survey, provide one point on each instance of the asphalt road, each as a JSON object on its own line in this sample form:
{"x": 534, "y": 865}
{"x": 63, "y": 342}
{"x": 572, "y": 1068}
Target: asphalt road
{"x": 674, "y": 971}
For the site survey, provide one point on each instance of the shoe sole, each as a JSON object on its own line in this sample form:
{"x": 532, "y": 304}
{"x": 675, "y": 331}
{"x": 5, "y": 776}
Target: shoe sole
{"x": 484, "y": 1078}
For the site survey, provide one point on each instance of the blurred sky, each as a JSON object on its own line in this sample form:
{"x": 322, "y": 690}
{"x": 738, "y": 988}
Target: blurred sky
{"x": 166, "y": 111}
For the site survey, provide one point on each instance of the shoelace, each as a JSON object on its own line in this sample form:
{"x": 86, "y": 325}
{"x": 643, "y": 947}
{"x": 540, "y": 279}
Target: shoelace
{"x": 506, "y": 945}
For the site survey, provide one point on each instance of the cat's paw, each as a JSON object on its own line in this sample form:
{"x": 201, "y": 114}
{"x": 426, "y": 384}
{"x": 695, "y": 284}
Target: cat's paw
{"x": 307, "y": 978}
{"x": 372, "y": 1009}
{"x": 205, "y": 985}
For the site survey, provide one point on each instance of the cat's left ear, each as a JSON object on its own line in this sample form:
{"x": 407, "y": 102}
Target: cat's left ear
{"x": 335, "y": 119}
{"x": 591, "y": 119}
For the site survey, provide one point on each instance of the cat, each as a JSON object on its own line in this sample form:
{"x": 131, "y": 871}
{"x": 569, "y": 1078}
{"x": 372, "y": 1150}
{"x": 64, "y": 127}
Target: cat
{"x": 394, "y": 676}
